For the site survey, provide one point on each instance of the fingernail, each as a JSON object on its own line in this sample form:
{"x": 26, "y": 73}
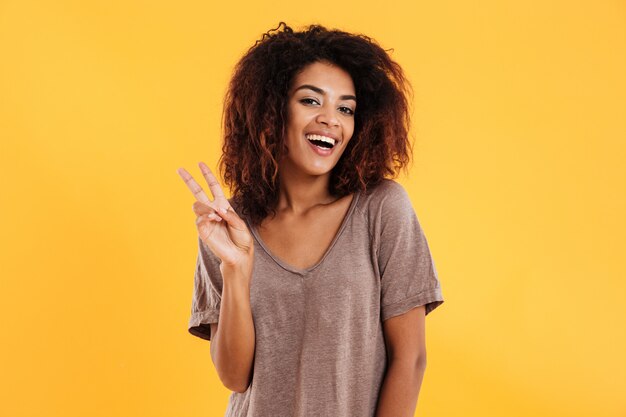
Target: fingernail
{"x": 223, "y": 210}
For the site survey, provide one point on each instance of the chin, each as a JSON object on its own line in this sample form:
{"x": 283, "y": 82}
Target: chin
{"x": 319, "y": 171}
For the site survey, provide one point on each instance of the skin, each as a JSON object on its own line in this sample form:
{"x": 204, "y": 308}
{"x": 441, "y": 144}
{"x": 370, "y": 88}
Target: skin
{"x": 227, "y": 236}
{"x": 321, "y": 100}
{"x": 303, "y": 198}
{"x": 304, "y": 174}
{"x": 231, "y": 241}
{"x": 406, "y": 352}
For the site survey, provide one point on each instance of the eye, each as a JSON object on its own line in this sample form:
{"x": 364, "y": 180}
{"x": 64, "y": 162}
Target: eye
{"x": 346, "y": 110}
{"x": 308, "y": 101}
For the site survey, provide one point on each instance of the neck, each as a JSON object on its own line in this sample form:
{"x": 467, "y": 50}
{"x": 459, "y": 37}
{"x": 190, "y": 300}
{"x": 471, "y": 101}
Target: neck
{"x": 300, "y": 192}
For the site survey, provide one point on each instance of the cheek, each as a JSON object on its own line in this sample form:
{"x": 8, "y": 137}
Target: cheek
{"x": 349, "y": 128}
{"x": 297, "y": 121}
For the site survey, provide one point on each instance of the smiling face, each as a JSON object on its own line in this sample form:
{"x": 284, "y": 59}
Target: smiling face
{"x": 320, "y": 119}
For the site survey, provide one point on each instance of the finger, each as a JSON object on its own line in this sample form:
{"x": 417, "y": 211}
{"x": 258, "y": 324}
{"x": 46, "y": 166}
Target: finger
{"x": 232, "y": 218}
{"x": 214, "y": 185}
{"x": 202, "y": 221}
{"x": 201, "y": 209}
{"x": 213, "y": 217}
{"x": 197, "y": 191}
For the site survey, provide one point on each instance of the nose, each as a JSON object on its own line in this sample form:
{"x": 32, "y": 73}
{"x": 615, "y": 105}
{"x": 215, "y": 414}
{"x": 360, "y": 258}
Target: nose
{"x": 327, "y": 116}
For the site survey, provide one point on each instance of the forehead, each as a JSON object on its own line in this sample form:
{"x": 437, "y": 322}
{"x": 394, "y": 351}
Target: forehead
{"x": 326, "y": 76}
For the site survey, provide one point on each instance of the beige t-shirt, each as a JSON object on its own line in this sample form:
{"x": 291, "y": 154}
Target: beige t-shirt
{"x": 320, "y": 349}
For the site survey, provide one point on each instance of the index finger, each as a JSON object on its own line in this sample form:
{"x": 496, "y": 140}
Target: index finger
{"x": 197, "y": 191}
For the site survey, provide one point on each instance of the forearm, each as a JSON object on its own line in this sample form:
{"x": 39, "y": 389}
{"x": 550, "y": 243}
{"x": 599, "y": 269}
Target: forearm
{"x": 232, "y": 347}
{"x": 400, "y": 389}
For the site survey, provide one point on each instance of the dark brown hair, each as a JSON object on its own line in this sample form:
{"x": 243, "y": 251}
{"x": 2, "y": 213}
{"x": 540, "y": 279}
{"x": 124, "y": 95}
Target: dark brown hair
{"x": 255, "y": 114}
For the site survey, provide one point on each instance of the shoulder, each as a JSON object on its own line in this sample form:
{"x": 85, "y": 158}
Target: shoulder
{"x": 386, "y": 207}
{"x": 388, "y": 196}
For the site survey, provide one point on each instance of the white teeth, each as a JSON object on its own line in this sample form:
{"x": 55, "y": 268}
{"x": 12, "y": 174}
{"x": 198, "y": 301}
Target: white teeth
{"x": 322, "y": 138}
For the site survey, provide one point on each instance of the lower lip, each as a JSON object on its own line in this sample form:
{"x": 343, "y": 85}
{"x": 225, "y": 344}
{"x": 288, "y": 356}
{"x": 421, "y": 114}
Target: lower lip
{"x": 321, "y": 152}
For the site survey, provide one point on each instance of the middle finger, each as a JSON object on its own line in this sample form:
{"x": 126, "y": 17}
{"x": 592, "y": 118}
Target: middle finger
{"x": 214, "y": 185}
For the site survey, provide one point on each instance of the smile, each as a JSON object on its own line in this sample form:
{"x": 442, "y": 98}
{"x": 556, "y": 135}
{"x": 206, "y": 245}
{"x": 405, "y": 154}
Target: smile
{"x": 322, "y": 145}
{"x": 320, "y": 140}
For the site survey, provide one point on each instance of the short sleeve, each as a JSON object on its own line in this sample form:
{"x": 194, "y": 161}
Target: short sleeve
{"x": 408, "y": 275}
{"x": 207, "y": 293}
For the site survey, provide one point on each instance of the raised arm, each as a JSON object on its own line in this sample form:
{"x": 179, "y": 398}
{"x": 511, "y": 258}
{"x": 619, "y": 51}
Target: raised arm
{"x": 227, "y": 236}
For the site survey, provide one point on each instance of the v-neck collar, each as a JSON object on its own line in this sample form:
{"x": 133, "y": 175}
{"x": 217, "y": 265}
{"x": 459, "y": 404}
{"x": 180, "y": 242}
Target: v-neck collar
{"x": 308, "y": 270}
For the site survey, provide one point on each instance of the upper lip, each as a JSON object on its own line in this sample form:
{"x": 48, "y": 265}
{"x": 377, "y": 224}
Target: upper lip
{"x": 321, "y": 133}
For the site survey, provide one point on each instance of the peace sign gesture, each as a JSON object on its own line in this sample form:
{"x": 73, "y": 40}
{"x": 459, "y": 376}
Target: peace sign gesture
{"x": 219, "y": 226}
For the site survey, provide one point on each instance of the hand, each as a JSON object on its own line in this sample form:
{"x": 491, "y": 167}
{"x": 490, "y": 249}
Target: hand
{"x": 219, "y": 226}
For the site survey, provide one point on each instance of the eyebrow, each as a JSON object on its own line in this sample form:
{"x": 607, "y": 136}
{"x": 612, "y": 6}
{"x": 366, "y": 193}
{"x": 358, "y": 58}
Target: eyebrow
{"x": 322, "y": 92}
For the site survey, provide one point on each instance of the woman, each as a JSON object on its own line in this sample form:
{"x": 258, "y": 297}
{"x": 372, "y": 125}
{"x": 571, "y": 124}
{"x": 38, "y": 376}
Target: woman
{"x": 314, "y": 279}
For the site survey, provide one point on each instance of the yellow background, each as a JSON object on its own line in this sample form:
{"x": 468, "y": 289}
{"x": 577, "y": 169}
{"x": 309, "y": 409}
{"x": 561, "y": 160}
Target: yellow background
{"x": 518, "y": 180}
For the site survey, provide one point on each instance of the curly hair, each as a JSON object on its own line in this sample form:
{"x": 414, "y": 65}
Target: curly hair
{"x": 255, "y": 114}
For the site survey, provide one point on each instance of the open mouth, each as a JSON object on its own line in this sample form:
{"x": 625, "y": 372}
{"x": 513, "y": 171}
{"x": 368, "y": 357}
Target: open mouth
{"x": 322, "y": 142}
